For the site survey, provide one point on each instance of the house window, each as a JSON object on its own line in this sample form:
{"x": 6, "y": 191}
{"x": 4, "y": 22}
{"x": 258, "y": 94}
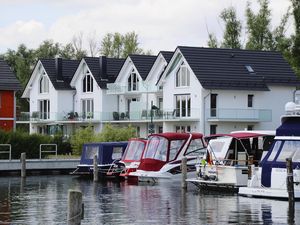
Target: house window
{"x": 183, "y": 76}
{"x": 129, "y": 102}
{"x": 213, "y": 129}
{"x": 183, "y": 129}
{"x": 44, "y": 84}
{"x": 183, "y": 105}
{"x": 87, "y": 106}
{"x": 250, "y": 101}
{"x": 213, "y": 105}
{"x": 44, "y": 109}
{"x": 87, "y": 83}
{"x": 160, "y": 103}
{"x": 133, "y": 82}
{"x": 160, "y": 129}
{"x": 250, "y": 127}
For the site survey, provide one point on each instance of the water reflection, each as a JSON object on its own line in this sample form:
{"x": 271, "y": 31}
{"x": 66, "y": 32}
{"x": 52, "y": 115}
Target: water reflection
{"x": 43, "y": 200}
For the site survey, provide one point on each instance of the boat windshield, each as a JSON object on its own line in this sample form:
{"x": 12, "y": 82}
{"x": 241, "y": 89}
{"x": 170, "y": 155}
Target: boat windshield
{"x": 290, "y": 149}
{"x": 90, "y": 151}
{"x": 196, "y": 148}
{"x": 274, "y": 150}
{"x": 134, "y": 150}
{"x": 157, "y": 148}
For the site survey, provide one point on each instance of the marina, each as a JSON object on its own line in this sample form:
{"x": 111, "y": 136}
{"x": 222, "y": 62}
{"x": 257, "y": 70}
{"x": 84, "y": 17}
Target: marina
{"x": 43, "y": 200}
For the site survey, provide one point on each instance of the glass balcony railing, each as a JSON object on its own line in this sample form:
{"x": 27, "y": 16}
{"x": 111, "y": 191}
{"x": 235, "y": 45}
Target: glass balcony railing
{"x": 226, "y": 114}
{"x": 138, "y": 115}
{"x": 121, "y": 88}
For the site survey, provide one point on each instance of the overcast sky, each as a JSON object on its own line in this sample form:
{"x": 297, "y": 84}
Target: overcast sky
{"x": 160, "y": 24}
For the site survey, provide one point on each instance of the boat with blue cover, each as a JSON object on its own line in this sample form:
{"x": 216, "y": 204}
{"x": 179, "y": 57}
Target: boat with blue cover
{"x": 108, "y": 154}
{"x": 269, "y": 179}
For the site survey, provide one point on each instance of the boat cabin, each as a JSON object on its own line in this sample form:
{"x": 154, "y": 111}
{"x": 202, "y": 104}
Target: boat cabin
{"x": 169, "y": 147}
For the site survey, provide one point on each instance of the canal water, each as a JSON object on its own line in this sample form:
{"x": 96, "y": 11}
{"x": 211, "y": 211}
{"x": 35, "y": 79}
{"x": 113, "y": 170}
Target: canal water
{"x": 43, "y": 200}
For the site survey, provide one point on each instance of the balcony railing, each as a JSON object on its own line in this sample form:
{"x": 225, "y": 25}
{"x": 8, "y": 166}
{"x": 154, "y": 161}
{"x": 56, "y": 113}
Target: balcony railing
{"x": 137, "y": 115}
{"x": 121, "y": 88}
{"x": 246, "y": 115}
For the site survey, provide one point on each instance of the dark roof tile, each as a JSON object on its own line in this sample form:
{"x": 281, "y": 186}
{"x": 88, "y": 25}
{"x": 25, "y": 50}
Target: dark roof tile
{"x": 143, "y": 64}
{"x": 8, "y": 80}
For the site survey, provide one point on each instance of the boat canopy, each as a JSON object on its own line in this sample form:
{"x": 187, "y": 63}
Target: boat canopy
{"x": 107, "y": 152}
{"x": 134, "y": 150}
{"x": 289, "y": 127}
{"x": 240, "y": 135}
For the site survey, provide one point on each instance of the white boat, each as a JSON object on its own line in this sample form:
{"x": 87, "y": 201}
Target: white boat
{"x": 269, "y": 179}
{"x": 163, "y": 155}
{"x": 226, "y": 162}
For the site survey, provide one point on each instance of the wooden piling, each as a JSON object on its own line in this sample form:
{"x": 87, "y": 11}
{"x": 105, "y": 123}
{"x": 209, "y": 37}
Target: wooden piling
{"x": 23, "y": 164}
{"x": 95, "y": 165}
{"x": 250, "y": 163}
{"x": 75, "y": 207}
{"x": 290, "y": 180}
{"x": 184, "y": 172}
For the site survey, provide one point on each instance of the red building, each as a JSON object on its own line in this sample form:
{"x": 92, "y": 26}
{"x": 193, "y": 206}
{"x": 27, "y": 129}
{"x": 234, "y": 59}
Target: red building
{"x": 8, "y": 86}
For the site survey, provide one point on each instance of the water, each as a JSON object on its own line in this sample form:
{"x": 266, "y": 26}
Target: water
{"x": 43, "y": 200}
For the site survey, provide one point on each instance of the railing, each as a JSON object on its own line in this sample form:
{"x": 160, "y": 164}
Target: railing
{"x": 121, "y": 88}
{"x": 226, "y": 114}
{"x": 48, "y": 151}
{"x": 6, "y": 152}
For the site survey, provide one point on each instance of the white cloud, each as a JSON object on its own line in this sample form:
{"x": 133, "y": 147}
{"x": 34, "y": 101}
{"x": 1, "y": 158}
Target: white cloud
{"x": 27, "y": 32}
{"x": 161, "y": 24}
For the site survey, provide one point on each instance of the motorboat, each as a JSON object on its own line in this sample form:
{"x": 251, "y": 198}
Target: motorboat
{"x": 228, "y": 156}
{"x": 108, "y": 154}
{"x": 268, "y": 180}
{"x": 132, "y": 156}
{"x": 163, "y": 155}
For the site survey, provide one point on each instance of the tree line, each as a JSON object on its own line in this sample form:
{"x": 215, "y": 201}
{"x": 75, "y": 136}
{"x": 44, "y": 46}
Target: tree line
{"x": 259, "y": 33}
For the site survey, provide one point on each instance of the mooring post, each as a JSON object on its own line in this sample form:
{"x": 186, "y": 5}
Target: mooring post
{"x": 290, "y": 180}
{"x": 184, "y": 172}
{"x": 75, "y": 207}
{"x": 95, "y": 165}
{"x": 250, "y": 163}
{"x": 23, "y": 164}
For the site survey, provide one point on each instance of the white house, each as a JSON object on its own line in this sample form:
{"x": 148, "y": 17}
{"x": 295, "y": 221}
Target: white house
{"x": 221, "y": 90}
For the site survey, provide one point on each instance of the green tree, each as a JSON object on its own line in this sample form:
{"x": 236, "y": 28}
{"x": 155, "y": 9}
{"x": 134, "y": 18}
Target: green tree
{"x": 113, "y": 133}
{"x": 296, "y": 38}
{"x": 212, "y": 41}
{"x": 258, "y": 27}
{"x": 233, "y": 27}
{"x": 48, "y": 49}
{"x": 120, "y": 46}
{"x": 81, "y": 136}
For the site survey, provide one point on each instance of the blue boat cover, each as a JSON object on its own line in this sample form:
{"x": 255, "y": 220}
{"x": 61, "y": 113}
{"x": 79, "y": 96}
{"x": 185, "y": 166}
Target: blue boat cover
{"x": 107, "y": 152}
{"x": 290, "y": 127}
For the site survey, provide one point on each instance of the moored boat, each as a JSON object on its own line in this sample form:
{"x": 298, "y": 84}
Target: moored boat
{"x": 108, "y": 154}
{"x": 269, "y": 179}
{"x": 228, "y": 156}
{"x": 163, "y": 155}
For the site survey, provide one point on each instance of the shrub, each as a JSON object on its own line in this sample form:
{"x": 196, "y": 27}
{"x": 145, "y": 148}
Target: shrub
{"x": 81, "y": 136}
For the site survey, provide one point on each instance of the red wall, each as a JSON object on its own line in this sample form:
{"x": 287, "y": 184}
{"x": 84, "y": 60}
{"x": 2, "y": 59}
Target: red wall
{"x": 6, "y": 109}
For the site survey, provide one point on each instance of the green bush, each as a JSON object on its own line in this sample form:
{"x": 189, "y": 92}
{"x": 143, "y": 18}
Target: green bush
{"x": 109, "y": 133}
{"x": 30, "y": 144}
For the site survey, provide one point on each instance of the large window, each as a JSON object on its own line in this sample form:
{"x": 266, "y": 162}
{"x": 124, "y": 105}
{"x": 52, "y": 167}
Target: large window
{"x": 133, "y": 81}
{"x": 250, "y": 101}
{"x": 44, "y": 84}
{"x": 87, "y": 108}
{"x": 183, "y": 105}
{"x": 87, "y": 83}
{"x": 183, "y": 76}
{"x": 44, "y": 109}
{"x": 213, "y": 105}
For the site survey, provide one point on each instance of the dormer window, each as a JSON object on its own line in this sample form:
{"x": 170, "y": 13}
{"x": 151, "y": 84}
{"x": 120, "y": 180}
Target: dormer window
{"x": 133, "y": 81}
{"x": 183, "y": 76}
{"x": 87, "y": 83}
{"x": 250, "y": 69}
{"x": 44, "y": 84}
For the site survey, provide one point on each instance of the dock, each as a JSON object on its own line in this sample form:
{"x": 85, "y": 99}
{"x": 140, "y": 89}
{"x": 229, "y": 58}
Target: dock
{"x": 39, "y": 166}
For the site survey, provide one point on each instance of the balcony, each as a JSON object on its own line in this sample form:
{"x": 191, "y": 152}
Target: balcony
{"x": 121, "y": 88}
{"x": 238, "y": 115}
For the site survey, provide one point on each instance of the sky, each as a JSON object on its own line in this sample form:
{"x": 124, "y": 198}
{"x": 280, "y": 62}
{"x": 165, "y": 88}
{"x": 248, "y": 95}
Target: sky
{"x": 160, "y": 24}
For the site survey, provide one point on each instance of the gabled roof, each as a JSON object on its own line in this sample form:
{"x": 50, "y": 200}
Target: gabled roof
{"x": 8, "y": 80}
{"x": 226, "y": 68}
{"x": 167, "y": 55}
{"x": 143, "y": 63}
{"x": 104, "y": 75}
{"x": 60, "y": 77}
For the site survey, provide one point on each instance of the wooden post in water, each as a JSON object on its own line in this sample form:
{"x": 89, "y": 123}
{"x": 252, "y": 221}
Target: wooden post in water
{"x": 75, "y": 207}
{"x": 250, "y": 163}
{"x": 290, "y": 180}
{"x": 95, "y": 165}
{"x": 184, "y": 172}
{"x": 23, "y": 164}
